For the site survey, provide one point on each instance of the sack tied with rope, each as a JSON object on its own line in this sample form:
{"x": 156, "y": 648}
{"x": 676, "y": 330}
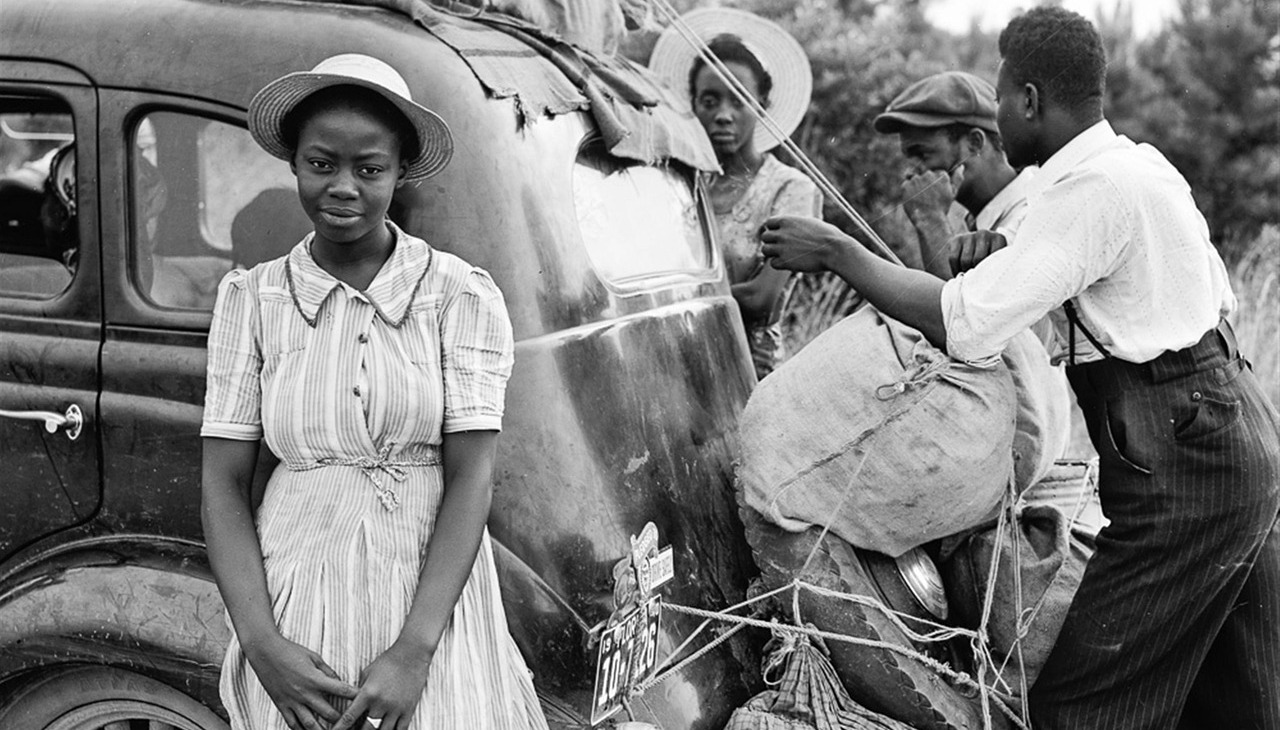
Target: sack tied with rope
{"x": 808, "y": 695}
{"x": 878, "y": 435}
{"x": 1048, "y": 558}
{"x": 1042, "y": 431}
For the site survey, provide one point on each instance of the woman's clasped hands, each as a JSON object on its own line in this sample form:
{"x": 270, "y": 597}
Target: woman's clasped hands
{"x": 301, "y": 685}
{"x": 390, "y": 689}
{"x": 298, "y": 681}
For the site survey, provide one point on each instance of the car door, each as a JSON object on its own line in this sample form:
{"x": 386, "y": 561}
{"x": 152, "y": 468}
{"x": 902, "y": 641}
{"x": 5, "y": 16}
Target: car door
{"x": 50, "y": 302}
{"x": 186, "y": 187}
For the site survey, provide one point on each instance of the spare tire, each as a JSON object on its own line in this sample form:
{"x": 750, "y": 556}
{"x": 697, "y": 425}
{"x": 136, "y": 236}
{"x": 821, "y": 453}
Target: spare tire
{"x": 883, "y": 680}
{"x": 89, "y": 698}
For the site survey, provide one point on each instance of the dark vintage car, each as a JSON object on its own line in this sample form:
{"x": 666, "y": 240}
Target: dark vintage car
{"x": 129, "y": 185}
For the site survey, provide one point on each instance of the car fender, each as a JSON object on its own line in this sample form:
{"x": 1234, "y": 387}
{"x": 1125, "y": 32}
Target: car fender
{"x": 136, "y": 602}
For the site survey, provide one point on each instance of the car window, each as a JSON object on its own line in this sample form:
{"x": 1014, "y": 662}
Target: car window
{"x": 39, "y": 244}
{"x": 204, "y": 199}
{"x": 638, "y": 221}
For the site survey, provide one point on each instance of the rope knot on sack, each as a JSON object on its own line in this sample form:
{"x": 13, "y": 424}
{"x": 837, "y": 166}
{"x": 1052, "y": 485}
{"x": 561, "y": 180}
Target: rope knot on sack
{"x": 925, "y": 371}
{"x": 781, "y": 646}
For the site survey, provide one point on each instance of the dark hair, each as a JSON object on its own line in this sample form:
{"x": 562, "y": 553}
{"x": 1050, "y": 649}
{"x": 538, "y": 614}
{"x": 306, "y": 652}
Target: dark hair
{"x": 729, "y": 49}
{"x": 351, "y": 96}
{"x": 1058, "y": 51}
{"x": 957, "y": 131}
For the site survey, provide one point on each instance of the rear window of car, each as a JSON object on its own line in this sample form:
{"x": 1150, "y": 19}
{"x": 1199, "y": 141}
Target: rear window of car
{"x": 205, "y": 199}
{"x": 638, "y": 221}
{"x": 38, "y": 234}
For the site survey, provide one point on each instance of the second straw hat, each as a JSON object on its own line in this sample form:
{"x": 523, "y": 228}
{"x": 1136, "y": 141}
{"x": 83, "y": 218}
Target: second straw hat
{"x": 278, "y": 98}
{"x": 780, "y": 55}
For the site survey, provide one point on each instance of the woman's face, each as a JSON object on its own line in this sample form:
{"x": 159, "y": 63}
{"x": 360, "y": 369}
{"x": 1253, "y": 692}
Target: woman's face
{"x": 348, "y": 167}
{"x": 728, "y": 123}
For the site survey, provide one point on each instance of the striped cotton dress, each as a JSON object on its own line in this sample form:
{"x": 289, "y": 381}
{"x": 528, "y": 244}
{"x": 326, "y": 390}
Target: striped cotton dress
{"x": 353, "y": 391}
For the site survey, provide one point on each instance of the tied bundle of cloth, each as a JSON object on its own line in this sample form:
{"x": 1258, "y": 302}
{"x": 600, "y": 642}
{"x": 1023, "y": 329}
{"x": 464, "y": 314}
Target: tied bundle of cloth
{"x": 875, "y": 434}
{"x": 808, "y": 695}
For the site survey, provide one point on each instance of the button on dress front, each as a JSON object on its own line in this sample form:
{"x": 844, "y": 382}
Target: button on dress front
{"x": 353, "y": 391}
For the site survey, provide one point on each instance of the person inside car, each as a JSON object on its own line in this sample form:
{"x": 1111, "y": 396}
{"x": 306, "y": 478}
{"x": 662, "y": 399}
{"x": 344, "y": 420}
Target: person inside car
{"x": 375, "y": 366}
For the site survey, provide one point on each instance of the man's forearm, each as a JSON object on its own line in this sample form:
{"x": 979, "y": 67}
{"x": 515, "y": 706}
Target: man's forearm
{"x": 909, "y": 296}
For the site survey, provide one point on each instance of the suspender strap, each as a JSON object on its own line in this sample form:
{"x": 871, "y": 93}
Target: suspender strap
{"x": 1074, "y": 320}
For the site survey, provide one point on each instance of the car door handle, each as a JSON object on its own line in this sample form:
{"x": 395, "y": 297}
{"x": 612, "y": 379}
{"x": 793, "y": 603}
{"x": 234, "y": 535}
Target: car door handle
{"x": 72, "y": 420}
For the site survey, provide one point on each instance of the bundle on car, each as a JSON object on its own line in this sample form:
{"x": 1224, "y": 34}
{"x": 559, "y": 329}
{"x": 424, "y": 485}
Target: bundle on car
{"x": 870, "y": 457}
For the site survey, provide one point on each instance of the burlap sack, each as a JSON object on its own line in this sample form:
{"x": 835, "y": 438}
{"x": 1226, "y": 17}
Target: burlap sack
{"x": 1049, "y": 559}
{"x": 1043, "y": 427}
{"x": 874, "y": 432}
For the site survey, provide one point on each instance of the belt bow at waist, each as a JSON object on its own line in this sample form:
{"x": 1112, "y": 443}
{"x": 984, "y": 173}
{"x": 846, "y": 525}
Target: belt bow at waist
{"x": 379, "y": 467}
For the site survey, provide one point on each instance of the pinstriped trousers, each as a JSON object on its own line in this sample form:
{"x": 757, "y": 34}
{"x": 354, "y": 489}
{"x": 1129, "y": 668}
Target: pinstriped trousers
{"x": 1177, "y": 620}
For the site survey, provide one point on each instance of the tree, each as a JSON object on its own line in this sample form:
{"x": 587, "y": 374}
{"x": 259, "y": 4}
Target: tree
{"x": 1206, "y": 92}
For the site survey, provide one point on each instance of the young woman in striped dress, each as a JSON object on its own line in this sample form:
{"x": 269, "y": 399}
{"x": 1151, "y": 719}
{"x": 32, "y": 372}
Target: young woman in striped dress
{"x": 362, "y": 593}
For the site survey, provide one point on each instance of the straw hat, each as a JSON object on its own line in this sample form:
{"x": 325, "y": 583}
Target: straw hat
{"x": 278, "y": 98}
{"x": 780, "y": 55}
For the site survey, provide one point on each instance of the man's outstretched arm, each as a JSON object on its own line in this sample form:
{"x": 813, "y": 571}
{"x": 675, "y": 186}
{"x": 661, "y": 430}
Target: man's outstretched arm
{"x": 909, "y": 296}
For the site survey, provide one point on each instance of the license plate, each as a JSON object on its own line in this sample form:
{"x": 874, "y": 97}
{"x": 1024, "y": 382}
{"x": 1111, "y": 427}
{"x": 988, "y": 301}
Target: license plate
{"x": 628, "y": 655}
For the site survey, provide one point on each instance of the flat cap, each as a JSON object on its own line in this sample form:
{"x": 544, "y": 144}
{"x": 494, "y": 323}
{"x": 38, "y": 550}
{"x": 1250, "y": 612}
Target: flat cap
{"x": 951, "y": 97}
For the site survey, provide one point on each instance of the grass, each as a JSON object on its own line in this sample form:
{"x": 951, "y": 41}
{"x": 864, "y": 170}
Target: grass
{"x": 1255, "y": 278}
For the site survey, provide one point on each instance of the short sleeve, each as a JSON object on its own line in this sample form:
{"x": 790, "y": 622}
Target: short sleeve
{"x": 477, "y": 349}
{"x": 233, "y": 390}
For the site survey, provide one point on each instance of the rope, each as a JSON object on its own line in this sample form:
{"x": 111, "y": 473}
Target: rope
{"x": 748, "y": 99}
{"x": 933, "y": 632}
{"x": 959, "y": 678}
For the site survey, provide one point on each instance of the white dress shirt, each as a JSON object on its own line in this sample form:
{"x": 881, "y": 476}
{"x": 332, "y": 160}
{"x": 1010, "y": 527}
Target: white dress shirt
{"x": 1005, "y": 212}
{"x": 1113, "y": 225}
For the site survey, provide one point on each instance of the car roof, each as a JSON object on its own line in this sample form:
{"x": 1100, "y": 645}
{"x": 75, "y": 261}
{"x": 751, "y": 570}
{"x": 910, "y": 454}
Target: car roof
{"x": 223, "y": 51}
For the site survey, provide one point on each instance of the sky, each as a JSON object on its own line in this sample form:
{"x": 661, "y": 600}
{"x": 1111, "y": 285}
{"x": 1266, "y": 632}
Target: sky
{"x": 956, "y": 15}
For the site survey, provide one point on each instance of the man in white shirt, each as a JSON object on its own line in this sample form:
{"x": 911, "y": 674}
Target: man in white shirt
{"x": 1177, "y": 620}
{"x": 946, "y": 128}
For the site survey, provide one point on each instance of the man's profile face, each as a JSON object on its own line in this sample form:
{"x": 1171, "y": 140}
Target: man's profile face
{"x": 1016, "y": 131}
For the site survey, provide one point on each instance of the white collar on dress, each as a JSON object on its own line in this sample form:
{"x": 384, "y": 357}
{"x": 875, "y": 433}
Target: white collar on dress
{"x": 390, "y": 292}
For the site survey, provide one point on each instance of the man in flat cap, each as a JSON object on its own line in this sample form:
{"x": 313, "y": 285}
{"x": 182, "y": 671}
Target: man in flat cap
{"x": 946, "y": 126}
